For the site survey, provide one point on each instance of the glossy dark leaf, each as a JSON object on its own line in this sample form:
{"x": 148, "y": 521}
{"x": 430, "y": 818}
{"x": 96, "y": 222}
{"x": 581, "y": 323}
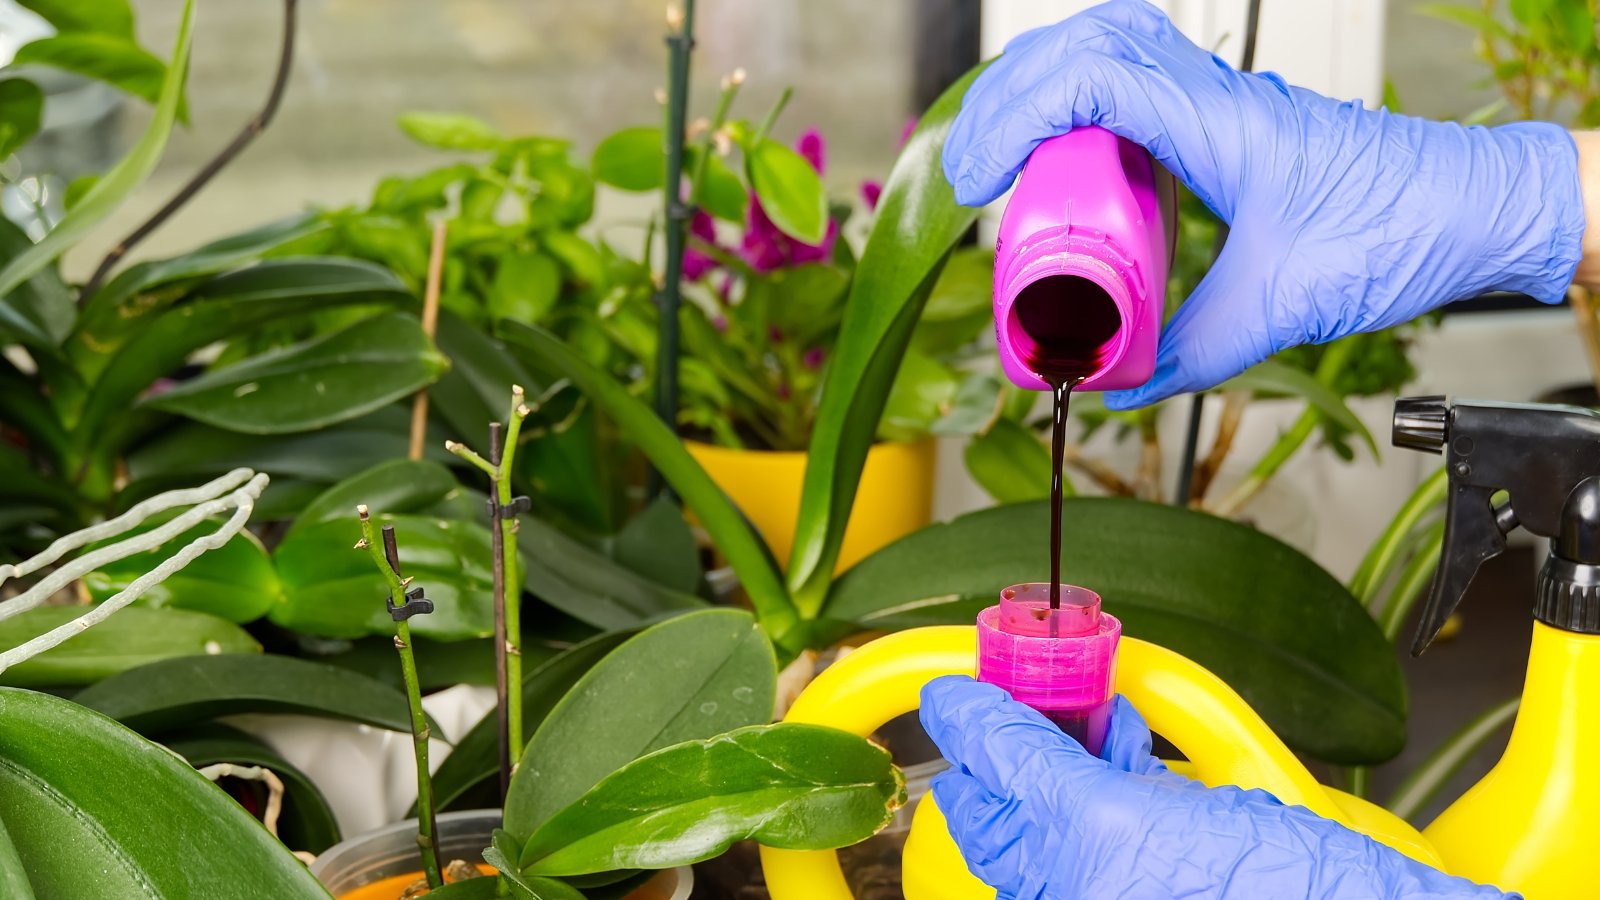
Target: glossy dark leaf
{"x": 590, "y": 586}
{"x": 235, "y": 582}
{"x": 13, "y": 875}
{"x": 792, "y": 786}
{"x": 918, "y": 222}
{"x": 306, "y": 821}
{"x": 225, "y": 306}
{"x": 331, "y": 590}
{"x": 1266, "y": 619}
{"x": 109, "y": 192}
{"x": 21, "y": 103}
{"x": 393, "y": 487}
{"x": 790, "y": 191}
{"x": 40, "y": 311}
{"x": 659, "y": 545}
{"x": 175, "y": 693}
{"x": 174, "y": 835}
{"x": 475, "y": 758}
{"x": 328, "y": 379}
{"x": 688, "y": 678}
{"x": 133, "y": 637}
{"x": 451, "y": 131}
{"x": 633, "y": 159}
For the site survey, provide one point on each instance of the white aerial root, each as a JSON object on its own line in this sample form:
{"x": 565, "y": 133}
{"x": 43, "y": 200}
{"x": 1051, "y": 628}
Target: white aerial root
{"x": 210, "y": 499}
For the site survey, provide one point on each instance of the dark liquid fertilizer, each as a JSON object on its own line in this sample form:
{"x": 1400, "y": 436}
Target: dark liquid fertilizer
{"x": 1070, "y": 320}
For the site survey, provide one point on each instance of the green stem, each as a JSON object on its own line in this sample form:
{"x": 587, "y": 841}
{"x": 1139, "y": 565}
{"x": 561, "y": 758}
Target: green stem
{"x": 772, "y": 116}
{"x": 1334, "y": 358}
{"x": 512, "y": 584}
{"x": 730, "y": 87}
{"x": 1429, "y": 778}
{"x": 680, "y": 39}
{"x": 1358, "y": 779}
{"x": 1413, "y": 581}
{"x": 387, "y": 561}
{"x": 1386, "y": 552}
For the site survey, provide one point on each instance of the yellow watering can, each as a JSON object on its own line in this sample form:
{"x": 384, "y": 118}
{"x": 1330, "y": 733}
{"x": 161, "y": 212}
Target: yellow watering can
{"x": 1531, "y": 825}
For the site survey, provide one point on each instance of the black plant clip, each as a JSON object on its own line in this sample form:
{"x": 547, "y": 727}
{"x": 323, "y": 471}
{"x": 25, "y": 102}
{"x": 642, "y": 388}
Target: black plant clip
{"x": 516, "y": 507}
{"x": 416, "y": 604}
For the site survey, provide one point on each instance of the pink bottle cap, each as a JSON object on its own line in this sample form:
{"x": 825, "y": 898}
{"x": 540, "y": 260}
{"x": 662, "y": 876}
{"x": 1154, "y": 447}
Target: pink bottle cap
{"x": 1050, "y": 659}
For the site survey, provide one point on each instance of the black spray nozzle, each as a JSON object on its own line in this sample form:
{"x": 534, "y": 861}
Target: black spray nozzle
{"x": 1536, "y": 454}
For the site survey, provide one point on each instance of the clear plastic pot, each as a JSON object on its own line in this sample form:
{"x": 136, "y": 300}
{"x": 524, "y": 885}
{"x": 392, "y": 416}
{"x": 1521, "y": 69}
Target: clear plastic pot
{"x": 392, "y": 850}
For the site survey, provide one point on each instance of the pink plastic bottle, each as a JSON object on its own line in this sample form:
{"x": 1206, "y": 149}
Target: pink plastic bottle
{"x": 1081, "y": 262}
{"x": 1062, "y": 662}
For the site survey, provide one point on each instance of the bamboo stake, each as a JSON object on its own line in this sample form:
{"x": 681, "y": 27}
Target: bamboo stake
{"x": 430, "y": 325}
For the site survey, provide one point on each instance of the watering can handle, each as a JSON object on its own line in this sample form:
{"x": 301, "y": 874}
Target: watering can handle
{"x": 1223, "y": 738}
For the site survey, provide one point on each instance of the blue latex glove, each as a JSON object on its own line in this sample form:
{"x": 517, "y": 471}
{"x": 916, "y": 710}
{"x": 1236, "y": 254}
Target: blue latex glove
{"x": 1038, "y": 818}
{"x": 1343, "y": 219}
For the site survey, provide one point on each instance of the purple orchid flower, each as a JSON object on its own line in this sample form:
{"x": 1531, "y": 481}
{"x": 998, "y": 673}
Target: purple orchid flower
{"x": 697, "y": 263}
{"x": 764, "y": 247}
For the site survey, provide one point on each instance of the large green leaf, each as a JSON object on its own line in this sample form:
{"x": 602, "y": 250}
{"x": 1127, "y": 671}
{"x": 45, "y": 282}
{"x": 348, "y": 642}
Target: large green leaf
{"x": 474, "y": 759}
{"x": 235, "y": 582}
{"x": 134, "y": 637}
{"x": 128, "y": 301}
{"x": 789, "y": 189}
{"x": 918, "y": 223}
{"x": 114, "y": 59}
{"x": 396, "y": 486}
{"x": 227, "y": 306}
{"x": 175, "y": 693}
{"x": 688, "y": 678}
{"x": 105, "y": 16}
{"x": 1255, "y": 611}
{"x": 109, "y": 192}
{"x": 108, "y": 814}
{"x": 589, "y": 585}
{"x": 797, "y": 787}
{"x": 306, "y": 822}
{"x": 328, "y": 379}
{"x": 728, "y": 528}
{"x": 333, "y": 591}
{"x": 21, "y": 107}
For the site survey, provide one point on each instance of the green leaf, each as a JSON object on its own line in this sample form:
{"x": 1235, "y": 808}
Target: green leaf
{"x": 13, "y": 875}
{"x": 1528, "y": 13}
{"x": 389, "y": 488}
{"x": 174, "y": 693}
{"x": 659, "y": 545}
{"x": 235, "y": 582}
{"x": 503, "y": 856}
{"x": 40, "y": 311}
{"x": 333, "y": 591}
{"x": 451, "y": 131}
{"x": 961, "y": 304}
{"x": 1274, "y": 377}
{"x": 578, "y": 256}
{"x": 117, "y": 184}
{"x": 977, "y": 403}
{"x": 323, "y": 381}
{"x": 791, "y": 786}
{"x": 475, "y": 758}
{"x": 105, "y": 16}
{"x": 790, "y": 191}
{"x": 898, "y": 268}
{"x": 1010, "y": 463}
{"x": 1258, "y": 613}
{"x": 590, "y": 586}
{"x": 124, "y": 304}
{"x": 526, "y": 287}
{"x": 804, "y": 302}
{"x": 181, "y": 838}
{"x": 21, "y": 103}
{"x": 471, "y": 889}
{"x": 1431, "y": 776}
{"x": 632, "y": 159}
{"x": 110, "y": 58}
{"x": 720, "y": 191}
{"x": 923, "y": 389}
{"x": 225, "y": 306}
{"x": 133, "y": 637}
{"x": 688, "y": 678}
{"x": 722, "y": 520}
{"x": 306, "y": 822}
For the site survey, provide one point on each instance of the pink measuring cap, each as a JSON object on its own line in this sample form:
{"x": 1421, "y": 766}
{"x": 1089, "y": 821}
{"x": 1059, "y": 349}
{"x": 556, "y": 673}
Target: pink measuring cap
{"x": 1053, "y": 660}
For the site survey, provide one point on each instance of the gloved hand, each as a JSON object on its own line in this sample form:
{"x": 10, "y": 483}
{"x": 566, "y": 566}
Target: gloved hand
{"x": 1343, "y": 219}
{"x": 1038, "y": 818}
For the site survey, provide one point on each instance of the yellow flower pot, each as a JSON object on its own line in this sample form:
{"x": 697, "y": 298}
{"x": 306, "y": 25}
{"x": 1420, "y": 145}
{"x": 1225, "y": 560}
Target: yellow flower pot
{"x": 894, "y": 498}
